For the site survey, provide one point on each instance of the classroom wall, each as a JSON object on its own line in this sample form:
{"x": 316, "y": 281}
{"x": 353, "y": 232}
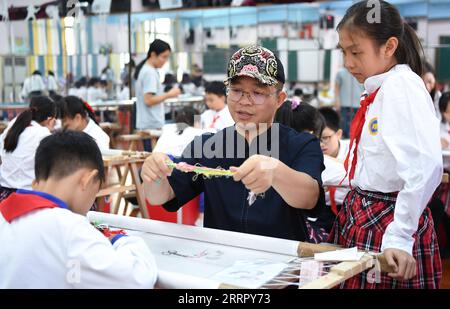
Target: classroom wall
{"x": 436, "y": 28}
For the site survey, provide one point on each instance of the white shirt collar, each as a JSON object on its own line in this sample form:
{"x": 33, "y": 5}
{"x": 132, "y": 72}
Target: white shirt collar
{"x": 374, "y": 82}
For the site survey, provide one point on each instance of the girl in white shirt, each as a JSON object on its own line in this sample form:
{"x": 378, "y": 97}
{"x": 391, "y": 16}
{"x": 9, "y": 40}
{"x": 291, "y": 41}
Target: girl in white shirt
{"x": 396, "y": 162}
{"x": 19, "y": 141}
{"x": 77, "y": 115}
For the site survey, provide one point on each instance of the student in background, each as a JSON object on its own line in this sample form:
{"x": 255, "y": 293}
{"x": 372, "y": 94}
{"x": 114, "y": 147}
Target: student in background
{"x": 78, "y": 115}
{"x": 305, "y": 118}
{"x": 439, "y": 204}
{"x": 176, "y": 136}
{"x": 298, "y": 95}
{"x": 444, "y": 110}
{"x": 284, "y": 112}
{"x": 33, "y": 86}
{"x": 429, "y": 78}
{"x": 187, "y": 85}
{"x": 80, "y": 89}
{"x": 124, "y": 93}
{"x": 300, "y": 116}
{"x": 396, "y": 161}
{"x": 217, "y": 116}
{"x": 52, "y": 84}
{"x": 19, "y": 141}
{"x": 335, "y": 150}
{"x": 150, "y": 95}
{"x": 95, "y": 91}
{"x": 169, "y": 82}
{"x": 47, "y": 233}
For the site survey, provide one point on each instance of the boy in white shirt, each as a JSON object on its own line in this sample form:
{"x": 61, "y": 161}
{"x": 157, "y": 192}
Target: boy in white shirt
{"x": 218, "y": 116}
{"x": 47, "y": 242}
{"x": 334, "y": 150}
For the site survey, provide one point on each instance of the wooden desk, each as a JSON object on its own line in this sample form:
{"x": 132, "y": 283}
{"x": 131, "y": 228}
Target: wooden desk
{"x": 129, "y": 164}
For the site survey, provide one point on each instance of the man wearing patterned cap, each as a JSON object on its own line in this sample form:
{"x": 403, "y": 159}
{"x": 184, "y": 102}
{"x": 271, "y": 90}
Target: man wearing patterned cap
{"x": 271, "y": 190}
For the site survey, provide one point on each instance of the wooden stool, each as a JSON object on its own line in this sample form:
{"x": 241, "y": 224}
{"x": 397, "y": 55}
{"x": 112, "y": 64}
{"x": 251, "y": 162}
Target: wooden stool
{"x": 112, "y": 129}
{"x": 132, "y": 139}
{"x": 136, "y": 188}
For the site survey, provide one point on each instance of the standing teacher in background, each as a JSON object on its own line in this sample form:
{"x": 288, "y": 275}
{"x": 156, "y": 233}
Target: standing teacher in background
{"x": 347, "y": 92}
{"x": 149, "y": 90}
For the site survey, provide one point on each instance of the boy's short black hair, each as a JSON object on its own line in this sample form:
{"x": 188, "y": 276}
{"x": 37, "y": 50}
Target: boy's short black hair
{"x": 216, "y": 87}
{"x": 332, "y": 119}
{"x": 64, "y": 152}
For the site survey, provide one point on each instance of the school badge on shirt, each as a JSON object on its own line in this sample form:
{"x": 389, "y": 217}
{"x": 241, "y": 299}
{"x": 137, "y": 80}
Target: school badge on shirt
{"x": 373, "y": 126}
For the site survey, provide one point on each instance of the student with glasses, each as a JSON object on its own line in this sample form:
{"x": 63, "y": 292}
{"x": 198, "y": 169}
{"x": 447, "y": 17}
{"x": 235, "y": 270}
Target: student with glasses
{"x": 334, "y": 149}
{"x": 287, "y": 185}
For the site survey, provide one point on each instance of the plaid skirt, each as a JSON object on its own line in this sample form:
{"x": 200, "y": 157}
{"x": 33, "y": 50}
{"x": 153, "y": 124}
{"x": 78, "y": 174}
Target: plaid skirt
{"x": 362, "y": 221}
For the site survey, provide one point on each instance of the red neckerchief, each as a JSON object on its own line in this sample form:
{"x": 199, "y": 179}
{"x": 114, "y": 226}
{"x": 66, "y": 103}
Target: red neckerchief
{"x": 332, "y": 192}
{"x": 355, "y": 134}
{"x": 215, "y": 118}
{"x": 17, "y": 205}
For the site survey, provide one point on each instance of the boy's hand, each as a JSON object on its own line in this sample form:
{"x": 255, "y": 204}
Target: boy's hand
{"x": 256, "y": 173}
{"x": 155, "y": 167}
{"x": 402, "y": 262}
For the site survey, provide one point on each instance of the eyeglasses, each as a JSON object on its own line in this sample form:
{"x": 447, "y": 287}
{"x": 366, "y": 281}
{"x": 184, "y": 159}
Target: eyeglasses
{"x": 326, "y": 139}
{"x": 255, "y": 97}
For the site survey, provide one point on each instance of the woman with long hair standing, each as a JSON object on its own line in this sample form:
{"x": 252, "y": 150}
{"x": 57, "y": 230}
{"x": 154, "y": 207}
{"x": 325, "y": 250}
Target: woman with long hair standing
{"x": 149, "y": 91}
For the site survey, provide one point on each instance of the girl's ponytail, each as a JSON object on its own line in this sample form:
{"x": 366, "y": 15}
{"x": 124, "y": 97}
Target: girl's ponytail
{"x": 12, "y": 137}
{"x": 410, "y": 50}
{"x": 41, "y": 108}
